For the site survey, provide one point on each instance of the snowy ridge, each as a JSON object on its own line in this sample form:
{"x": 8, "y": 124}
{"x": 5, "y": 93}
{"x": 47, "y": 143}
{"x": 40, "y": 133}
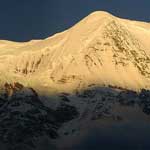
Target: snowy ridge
{"x": 100, "y": 49}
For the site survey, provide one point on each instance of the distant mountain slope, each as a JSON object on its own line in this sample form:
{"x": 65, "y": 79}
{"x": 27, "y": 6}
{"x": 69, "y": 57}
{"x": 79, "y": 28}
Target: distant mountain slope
{"x": 100, "y": 49}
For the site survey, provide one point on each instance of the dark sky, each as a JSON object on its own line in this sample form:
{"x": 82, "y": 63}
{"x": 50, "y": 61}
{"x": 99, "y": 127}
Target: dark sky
{"x": 22, "y": 20}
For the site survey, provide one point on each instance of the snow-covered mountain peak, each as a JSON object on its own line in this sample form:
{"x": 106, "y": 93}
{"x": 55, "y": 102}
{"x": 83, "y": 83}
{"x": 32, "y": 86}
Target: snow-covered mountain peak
{"x": 100, "y": 49}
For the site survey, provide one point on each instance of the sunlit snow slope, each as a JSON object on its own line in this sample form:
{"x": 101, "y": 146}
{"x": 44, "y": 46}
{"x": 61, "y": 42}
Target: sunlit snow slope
{"x": 100, "y": 49}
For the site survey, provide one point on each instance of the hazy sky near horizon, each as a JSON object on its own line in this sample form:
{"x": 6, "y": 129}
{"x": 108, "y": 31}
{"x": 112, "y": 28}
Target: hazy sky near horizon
{"x": 23, "y": 20}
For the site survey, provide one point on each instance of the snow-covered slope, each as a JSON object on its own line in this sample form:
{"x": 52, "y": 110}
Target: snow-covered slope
{"x": 100, "y": 49}
{"x": 99, "y": 60}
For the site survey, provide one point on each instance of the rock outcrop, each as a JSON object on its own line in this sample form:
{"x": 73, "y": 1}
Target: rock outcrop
{"x": 24, "y": 118}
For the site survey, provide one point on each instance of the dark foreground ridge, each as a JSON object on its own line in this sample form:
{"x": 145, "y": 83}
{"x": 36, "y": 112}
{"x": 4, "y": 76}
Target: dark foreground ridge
{"x": 24, "y": 118}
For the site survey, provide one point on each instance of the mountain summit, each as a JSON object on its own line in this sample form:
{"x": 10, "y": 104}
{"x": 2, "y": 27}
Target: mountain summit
{"x": 101, "y": 49}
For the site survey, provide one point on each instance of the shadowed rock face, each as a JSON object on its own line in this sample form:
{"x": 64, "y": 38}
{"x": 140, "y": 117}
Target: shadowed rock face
{"x": 23, "y": 117}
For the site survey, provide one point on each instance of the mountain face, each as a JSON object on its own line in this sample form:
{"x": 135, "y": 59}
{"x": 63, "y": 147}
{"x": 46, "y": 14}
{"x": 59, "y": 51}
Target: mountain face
{"x": 57, "y": 88}
{"x": 101, "y": 49}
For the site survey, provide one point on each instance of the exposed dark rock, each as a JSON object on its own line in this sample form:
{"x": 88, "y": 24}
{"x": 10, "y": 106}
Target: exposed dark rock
{"x": 144, "y": 94}
{"x": 23, "y": 116}
{"x": 145, "y": 101}
{"x": 127, "y": 97}
{"x": 66, "y": 112}
{"x": 86, "y": 93}
{"x": 64, "y": 98}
